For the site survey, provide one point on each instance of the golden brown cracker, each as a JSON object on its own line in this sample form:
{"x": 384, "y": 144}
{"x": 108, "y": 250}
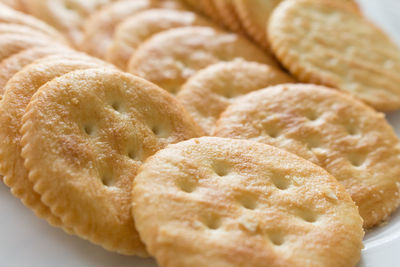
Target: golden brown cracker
{"x": 169, "y": 58}
{"x": 333, "y": 130}
{"x": 223, "y": 202}
{"x": 104, "y": 124}
{"x": 331, "y": 43}
{"x": 208, "y": 93}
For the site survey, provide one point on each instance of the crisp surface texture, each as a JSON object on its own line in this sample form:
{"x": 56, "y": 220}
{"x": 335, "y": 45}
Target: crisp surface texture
{"x": 18, "y": 93}
{"x": 208, "y": 93}
{"x": 82, "y": 162}
{"x": 331, "y": 43}
{"x": 227, "y": 12}
{"x": 254, "y": 16}
{"x": 169, "y": 58}
{"x": 335, "y": 131}
{"x": 67, "y": 16}
{"x": 11, "y": 43}
{"x": 140, "y": 27}
{"x": 99, "y": 27}
{"x": 222, "y": 202}
{"x": 9, "y": 15}
{"x": 15, "y": 63}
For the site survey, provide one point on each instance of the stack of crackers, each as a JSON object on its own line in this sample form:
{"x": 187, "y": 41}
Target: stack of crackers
{"x": 202, "y": 133}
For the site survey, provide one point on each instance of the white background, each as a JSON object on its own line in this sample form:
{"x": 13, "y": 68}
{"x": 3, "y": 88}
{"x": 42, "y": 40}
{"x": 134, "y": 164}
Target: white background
{"x": 28, "y": 241}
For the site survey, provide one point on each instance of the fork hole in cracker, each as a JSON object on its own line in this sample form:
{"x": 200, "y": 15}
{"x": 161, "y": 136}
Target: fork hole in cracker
{"x": 272, "y": 132}
{"x": 280, "y": 182}
{"x": 313, "y": 142}
{"x": 307, "y": 215}
{"x": 276, "y": 238}
{"x": 221, "y": 168}
{"x": 107, "y": 180}
{"x": 117, "y": 106}
{"x": 352, "y": 129}
{"x": 159, "y": 131}
{"x": 247, "y": 201}
{"x": 134, "y": 155}
{"x": 212, "y": 221}
{"x": 89, "y": 129}
{"x": 311, "y": 115}
{"x": 186, "y": 185}
{"x": 357, "y": 160}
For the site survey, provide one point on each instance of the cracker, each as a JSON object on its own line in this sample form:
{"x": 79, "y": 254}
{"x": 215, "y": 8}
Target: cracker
{"x": 254, "y": 15}
{"x": 169, "y": 58}
{"x": 354, "y": 56}
{"x": 208, "y": 93}
{"x": 99, "y": 28}
{"x": 15, "y": 63}
{"x": 227, "y": 12}
{"x": 140, "y": 27}
{"x": 8, "y": 15}
{"x": 11, "y": 44}
{"x": 333, "y": 130}
{"x": 222, "y": 202}
{"x": 19, "y": 91}
{"x": 67, "y": 16}
{"x": 15, "y": 4}
{"x": 104, "y": 124}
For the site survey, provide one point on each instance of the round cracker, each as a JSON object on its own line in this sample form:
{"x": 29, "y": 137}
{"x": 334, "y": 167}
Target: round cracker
{"x": 355, "y": 56}
{"x": 254, "y": 15}
{"x": 227, "y": 12}
{"x": 208, "y": 93}
{"x": 222, "y": 202}
{"x": 11, "y": 44}
{"x": 67, "y": 16}
{"x": 99, "y": 28}
{"x": 104, "y": 124}
{"x": 18, "y": 93}
{"x": 140, "y": 27}
{"x": 9, "y": 15}
{"x": 335, "y": 131}
{"x": 10, "y": 66}
{"x": 15, "y": 4}
{"x": 169, "y": 58}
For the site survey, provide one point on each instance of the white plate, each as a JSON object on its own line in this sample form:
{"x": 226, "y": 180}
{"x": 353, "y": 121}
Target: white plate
{"x": 28, "y": 241}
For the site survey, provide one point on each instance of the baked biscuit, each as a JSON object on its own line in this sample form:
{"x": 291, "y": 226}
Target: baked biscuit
{"x": 140, "y": 27}
{"x": 169, "y": 58}
{"x": 11, "y": 44}
{"x": 104, "y": 124}
{"x": 67, "y": 16}
{"x": 99, "y": 27}
{"x": 227, "y": 12}
{"x": 254, "y": 15}
{"x": 15, "y": 4}
{"x": 9, "y": 15}
{"x": 343, "y": 50}
{"x": 333, "y": 130}
{"x": 18, "y": 93}
{"x": 224, "y": 202}
{"x": 15, "y": 63}
{"x": 208, "y": 93}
